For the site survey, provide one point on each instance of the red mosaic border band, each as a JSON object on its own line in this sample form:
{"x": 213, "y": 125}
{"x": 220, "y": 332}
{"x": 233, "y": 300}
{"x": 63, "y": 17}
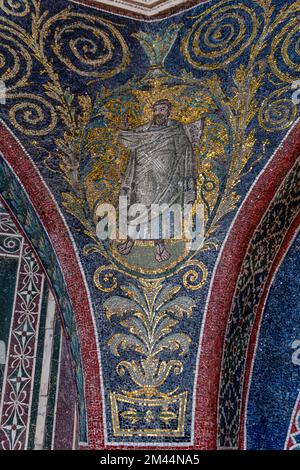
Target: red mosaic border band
{"x": 59, "y": 236}
{"x": 223, "y": 285}
{"x": 294, "y": 228}
{"x": 139, "y": 16}
{"x": 294, "y": 427}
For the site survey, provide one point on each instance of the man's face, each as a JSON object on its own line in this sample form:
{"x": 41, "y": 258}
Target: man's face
{"x": 160, "y": 114}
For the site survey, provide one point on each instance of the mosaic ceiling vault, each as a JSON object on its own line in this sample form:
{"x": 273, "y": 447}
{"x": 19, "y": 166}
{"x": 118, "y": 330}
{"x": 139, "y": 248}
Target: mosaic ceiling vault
{"x": 198, "y": 109}
{"x": 148, "y": 9}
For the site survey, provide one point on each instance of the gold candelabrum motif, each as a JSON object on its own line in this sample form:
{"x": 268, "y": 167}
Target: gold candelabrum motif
{"x": 150, "y": 312}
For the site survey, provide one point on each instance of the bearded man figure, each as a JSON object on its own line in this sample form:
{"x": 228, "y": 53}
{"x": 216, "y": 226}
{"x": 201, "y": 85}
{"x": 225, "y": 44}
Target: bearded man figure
{"x": 161, "y": 168}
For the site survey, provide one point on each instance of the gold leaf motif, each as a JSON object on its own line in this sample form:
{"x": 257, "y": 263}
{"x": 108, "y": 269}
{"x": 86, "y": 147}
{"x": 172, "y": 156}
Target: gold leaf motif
{"x": 167, "y": 415}
{"x": 149, "y": 416}
{"x": 131, "y": 415}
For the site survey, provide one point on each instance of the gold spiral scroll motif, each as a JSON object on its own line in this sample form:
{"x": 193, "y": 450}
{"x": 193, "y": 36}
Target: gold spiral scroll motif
{"x": 104, "y": 279}
{"x": 88, "y": 46}
{"x": 15, "y": 7}
{"x": 284, "y": 59}
{"x": 32, "y": 115}
{"x": 219, "y": 36}
{"x": 15, "y": 61}
{"x": 195, "y": 278}
{"x": 277, "y": 112}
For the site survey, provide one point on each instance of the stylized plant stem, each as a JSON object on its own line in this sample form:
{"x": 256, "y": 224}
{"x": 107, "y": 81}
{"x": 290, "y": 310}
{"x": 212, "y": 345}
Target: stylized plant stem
{"x": 149, "y": 320}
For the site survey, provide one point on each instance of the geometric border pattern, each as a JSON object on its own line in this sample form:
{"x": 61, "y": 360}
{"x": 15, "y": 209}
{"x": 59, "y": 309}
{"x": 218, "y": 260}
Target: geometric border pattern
{"x": 27, "y": 197}
{"x": 21, "y": 353}
{"x": 293, "y": 437}
{"x": 38, "y": 399}
{"x": 262, "y": 251}
{"x": 16, "y": 202}
{"x": 222, "y": 289}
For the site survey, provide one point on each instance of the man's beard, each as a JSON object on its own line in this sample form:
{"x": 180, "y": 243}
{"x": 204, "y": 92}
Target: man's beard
{"x": 160, "y": 119}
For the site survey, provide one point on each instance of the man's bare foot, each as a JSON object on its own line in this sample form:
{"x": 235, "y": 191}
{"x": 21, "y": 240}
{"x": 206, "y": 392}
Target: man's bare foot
{"x": 161, "y": 252}
{"x": 126, "y": 247}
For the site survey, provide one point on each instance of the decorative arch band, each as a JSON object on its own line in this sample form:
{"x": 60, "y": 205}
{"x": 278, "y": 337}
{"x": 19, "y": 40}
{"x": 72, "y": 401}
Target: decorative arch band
{"x": 37, "y": 216}
{"x": 277, "y": 180}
